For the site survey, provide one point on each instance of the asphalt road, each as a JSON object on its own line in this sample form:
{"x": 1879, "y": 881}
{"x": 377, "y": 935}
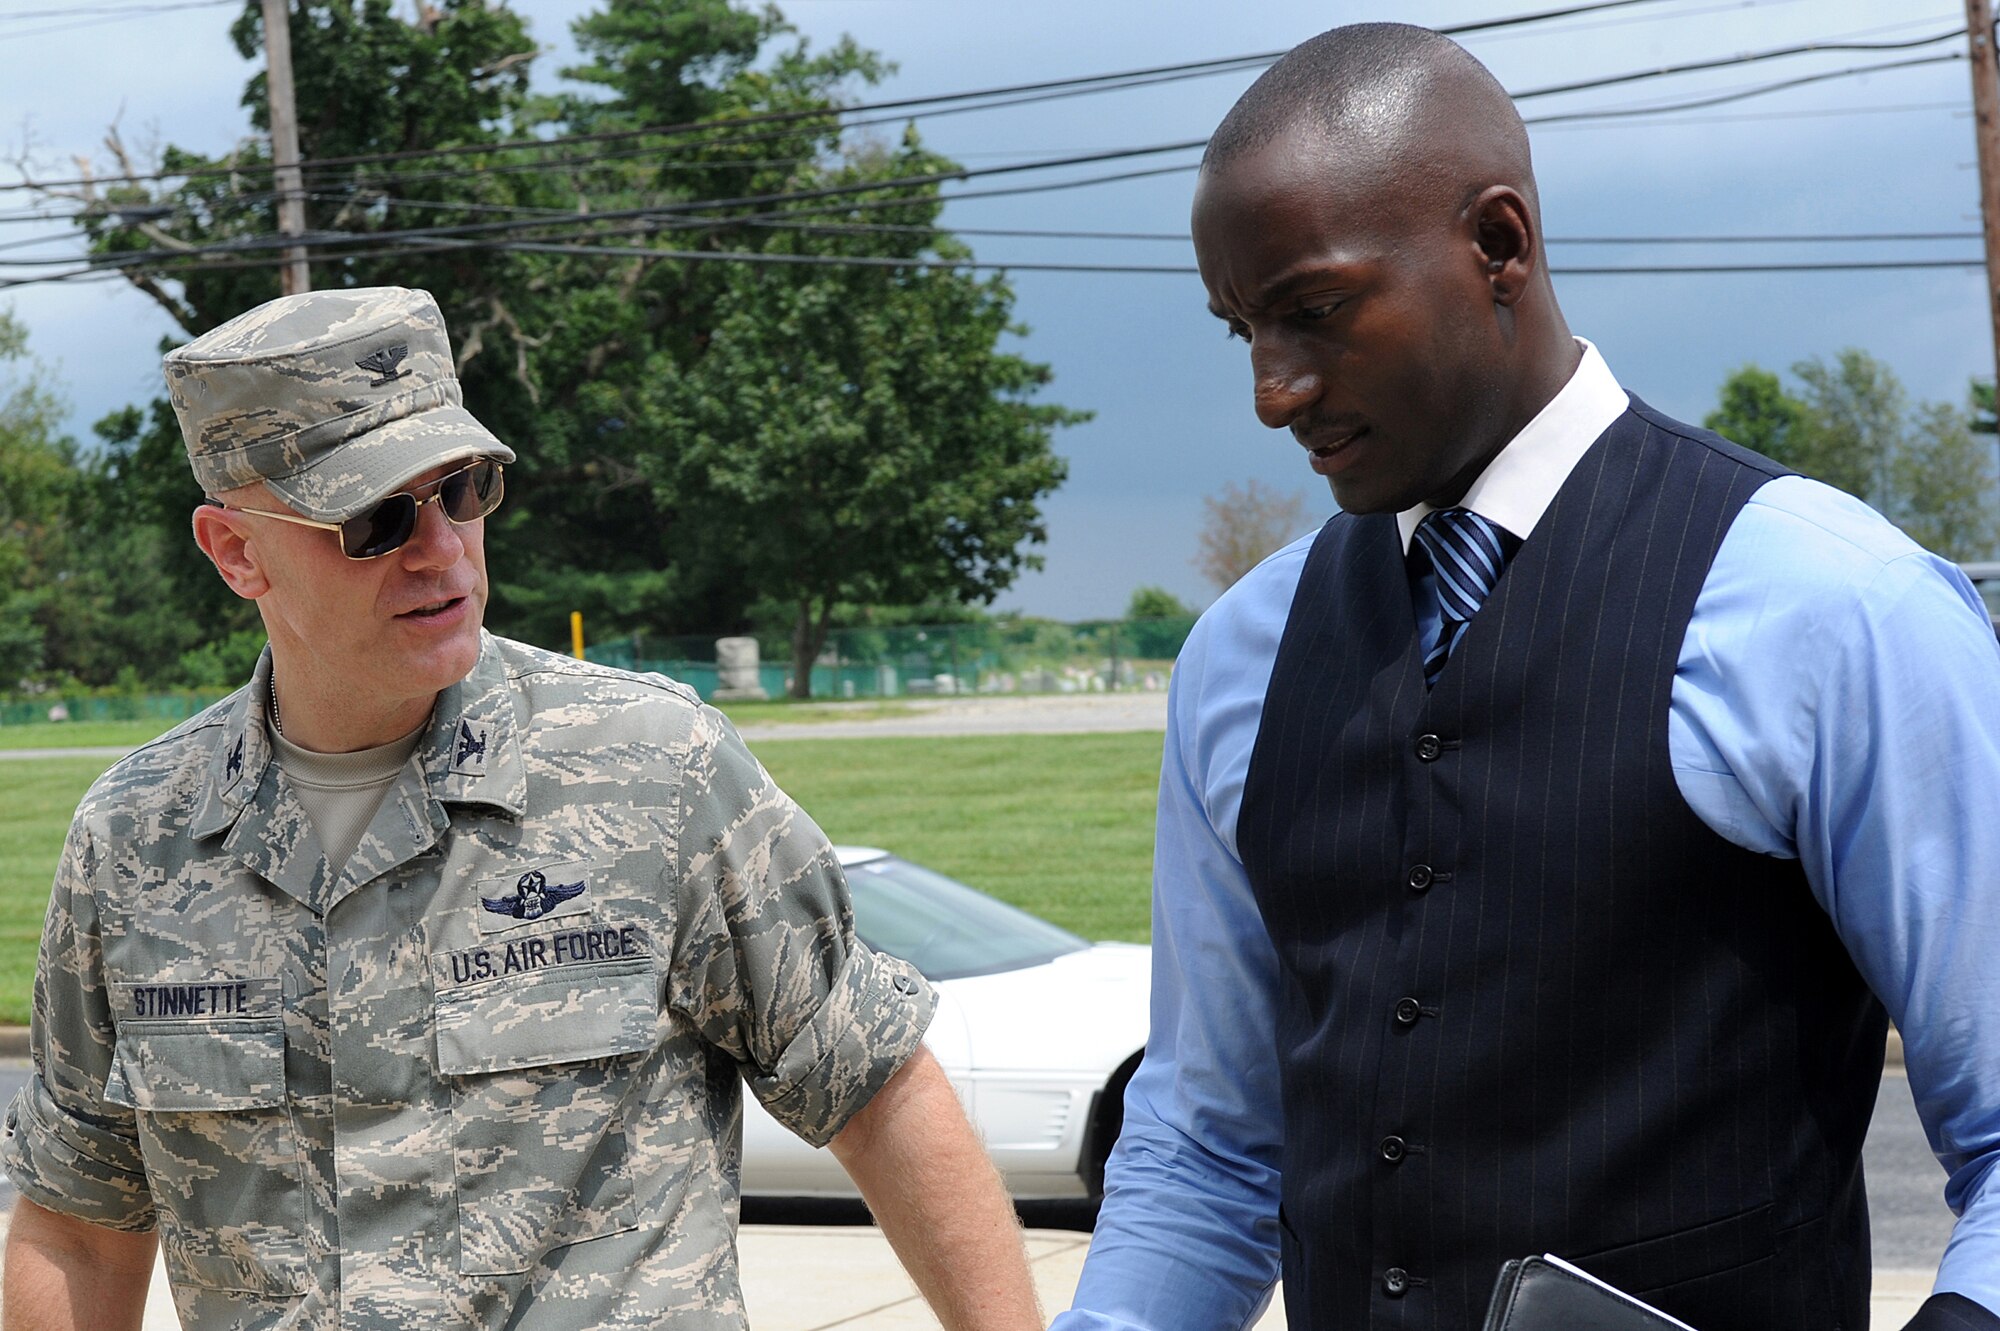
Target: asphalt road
{"x": 1905, "y": 1185}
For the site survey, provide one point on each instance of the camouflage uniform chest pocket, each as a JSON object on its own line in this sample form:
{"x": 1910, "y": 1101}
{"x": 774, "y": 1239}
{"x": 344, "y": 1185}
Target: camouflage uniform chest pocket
{"x": 223, "y": 1154}
{"x": 539, "y": 1039}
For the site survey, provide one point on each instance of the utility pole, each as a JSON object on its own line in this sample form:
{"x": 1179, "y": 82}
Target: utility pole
{"x": 1986, "y": 130}
{"x": 294, "y": 277}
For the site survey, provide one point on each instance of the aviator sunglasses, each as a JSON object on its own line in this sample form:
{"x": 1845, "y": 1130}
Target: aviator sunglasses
{"x": 465, "y": 495}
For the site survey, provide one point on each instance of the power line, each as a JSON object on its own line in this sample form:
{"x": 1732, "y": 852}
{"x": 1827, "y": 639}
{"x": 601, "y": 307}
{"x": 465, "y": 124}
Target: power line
{"x": 1744, "y": 94}
{"x": 872, "y": 261}
{"x": 97, "y": 18}
{"x": 539, "y": 167}
{"x": 673, "y": 215}
{"x": 1723, "y": 7}
{"x": 1112, "y": 81}
{"x": 1744, "y": 117}
{"x": 1183, "y": 237}
{"x": 1578, "y": 119}
{"x": 1728, "y": 62}
{"x": 686, "y": 129}
{"x": 121, "y": 11}
{"x": 1176, "y": 237}
{"x": 1699, "y": 102}
{"x": 336, "y": 247}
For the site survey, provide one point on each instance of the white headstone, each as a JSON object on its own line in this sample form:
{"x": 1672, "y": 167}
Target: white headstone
{"x": 736, "y": 662}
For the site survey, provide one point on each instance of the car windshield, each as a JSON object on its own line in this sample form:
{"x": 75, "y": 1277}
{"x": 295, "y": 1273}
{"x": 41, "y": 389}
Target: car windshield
{"x": 944, "y": 928}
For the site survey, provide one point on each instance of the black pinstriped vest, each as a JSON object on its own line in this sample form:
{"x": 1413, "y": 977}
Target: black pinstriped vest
{"x": 1530, "y": 1001}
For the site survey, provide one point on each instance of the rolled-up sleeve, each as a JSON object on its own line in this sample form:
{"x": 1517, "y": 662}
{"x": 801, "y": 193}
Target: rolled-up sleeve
{"x": 766, "y": 964}
{"x": 63, "y": 1146}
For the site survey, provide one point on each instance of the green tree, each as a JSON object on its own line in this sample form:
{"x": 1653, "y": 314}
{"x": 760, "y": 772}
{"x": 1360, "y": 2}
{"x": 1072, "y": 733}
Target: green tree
{"x": 154, "y": 596}
{"x": 635, "y": 388}
{"x": 1158, "y": 623}
{"x": 1943, "y": 483}
{"x": 1756, "y": 412}
{"x": 1855, "y": 417}
{"x": 864, "y": 436}
{"x": 1156, "y": 603}
{"x": 1925, "y": 468}
{"x": 37, "y": 487}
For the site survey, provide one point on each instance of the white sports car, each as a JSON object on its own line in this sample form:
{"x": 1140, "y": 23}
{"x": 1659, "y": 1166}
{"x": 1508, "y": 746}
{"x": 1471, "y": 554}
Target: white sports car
{"x": 1038, "y": 1030}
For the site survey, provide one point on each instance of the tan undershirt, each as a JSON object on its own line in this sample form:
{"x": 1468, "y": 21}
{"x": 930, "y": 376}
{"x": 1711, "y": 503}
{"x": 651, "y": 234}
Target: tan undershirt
{"x": 342, "y": 791}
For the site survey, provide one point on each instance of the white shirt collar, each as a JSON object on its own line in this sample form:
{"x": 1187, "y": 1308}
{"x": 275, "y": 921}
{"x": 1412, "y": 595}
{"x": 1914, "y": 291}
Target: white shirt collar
{"x": 1520, "y": 483}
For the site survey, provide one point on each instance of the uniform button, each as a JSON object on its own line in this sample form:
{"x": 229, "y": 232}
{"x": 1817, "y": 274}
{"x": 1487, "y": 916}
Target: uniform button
{"x": 904, "y": 984}
{"x": 1429, "y": 747}
{"x": 1421, "y": 876}
{"x": 1395, "y": 1282}
{"x": 1394, "y": 1149}
{"x": 1408, "y": 1010}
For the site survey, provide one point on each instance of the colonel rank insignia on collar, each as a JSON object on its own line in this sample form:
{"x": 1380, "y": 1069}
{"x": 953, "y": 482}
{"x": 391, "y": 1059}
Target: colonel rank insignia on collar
{"x": 233, "y": 768}
{"x": 471, "y": 746}
{"x": 383, "y": 363}
{"x": 534, "y": 896}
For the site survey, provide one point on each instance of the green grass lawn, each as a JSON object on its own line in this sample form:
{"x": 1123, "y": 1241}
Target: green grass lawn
{"x": 82, "y": 734}
{"x": 1059, "y": 824}
{"x": 131, "y": 734}
{"x": 37, "y": 796}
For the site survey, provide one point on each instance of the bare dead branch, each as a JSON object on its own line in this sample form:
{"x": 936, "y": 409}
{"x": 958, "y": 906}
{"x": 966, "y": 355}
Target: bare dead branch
{"x": 500, "y": 316}
{"x": 178, "y": 310}
{"x": 505, "y": 63}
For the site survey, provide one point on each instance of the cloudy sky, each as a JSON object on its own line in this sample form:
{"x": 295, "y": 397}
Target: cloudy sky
{"x": 1880, "y": 156}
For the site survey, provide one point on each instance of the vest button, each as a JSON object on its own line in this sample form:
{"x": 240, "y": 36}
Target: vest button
{"x": 1429, "y": 747}
{"x": 1408, "y": 1010}
{"x": 1421, "y": 877}
{"x": 1394, "y": 1149}
{"x": 1395, "y": 1282}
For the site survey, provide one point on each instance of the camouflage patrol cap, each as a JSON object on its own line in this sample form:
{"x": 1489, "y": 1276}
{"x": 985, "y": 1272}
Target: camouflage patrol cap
{"x": 332, "y": 398}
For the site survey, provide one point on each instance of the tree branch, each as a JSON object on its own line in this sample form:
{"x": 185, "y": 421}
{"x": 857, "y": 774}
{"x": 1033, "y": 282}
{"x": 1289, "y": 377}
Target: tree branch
{"x": 505, "y": 63}
{"x": 475, "y": 342}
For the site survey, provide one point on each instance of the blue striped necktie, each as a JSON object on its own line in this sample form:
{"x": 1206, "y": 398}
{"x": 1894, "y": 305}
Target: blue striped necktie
{"x": 1468, "y": 553}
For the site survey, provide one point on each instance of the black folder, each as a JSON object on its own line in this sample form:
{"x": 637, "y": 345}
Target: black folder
{"x": 1548, "y": 1294}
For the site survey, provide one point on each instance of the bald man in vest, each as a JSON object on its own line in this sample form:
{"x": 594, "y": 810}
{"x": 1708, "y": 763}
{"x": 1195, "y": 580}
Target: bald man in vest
{"x": 1545, "y": 844}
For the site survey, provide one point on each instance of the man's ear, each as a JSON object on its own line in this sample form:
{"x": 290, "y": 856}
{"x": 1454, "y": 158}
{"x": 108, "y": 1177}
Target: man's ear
{"x": 225, "y": 538}
{"x": 1509, "y": 245}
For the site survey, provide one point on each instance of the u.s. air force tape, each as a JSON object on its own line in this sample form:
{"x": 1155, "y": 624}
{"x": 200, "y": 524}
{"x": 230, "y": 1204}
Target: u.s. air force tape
{"x": 587, "y": 945}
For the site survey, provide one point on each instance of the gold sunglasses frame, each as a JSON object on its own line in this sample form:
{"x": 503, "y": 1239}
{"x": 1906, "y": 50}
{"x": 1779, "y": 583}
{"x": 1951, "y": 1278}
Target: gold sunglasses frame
{"x": 435, "y": 487}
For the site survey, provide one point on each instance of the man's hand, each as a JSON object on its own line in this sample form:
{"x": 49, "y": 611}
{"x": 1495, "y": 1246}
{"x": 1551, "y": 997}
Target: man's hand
{"x": 64, "y": 1274}
{"x": 938, "y": 1199}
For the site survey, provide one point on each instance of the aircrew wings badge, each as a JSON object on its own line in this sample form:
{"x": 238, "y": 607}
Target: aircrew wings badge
{"x": 533, "y": 897}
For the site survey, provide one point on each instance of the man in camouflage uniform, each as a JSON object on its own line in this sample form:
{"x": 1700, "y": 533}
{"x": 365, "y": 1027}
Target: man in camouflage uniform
{"x": 414, "y": 985}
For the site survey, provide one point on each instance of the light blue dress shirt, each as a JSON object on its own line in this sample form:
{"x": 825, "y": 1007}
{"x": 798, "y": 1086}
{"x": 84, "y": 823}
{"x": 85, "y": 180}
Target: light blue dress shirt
{"x": 1836, "y": 701}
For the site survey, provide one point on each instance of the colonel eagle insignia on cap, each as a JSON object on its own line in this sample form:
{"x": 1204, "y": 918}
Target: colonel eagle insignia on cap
{"x": 383, "y": 363}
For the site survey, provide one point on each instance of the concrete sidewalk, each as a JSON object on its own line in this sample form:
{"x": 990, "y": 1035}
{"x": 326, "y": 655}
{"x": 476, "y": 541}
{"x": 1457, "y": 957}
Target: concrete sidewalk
{"x": 816, "y": 1278}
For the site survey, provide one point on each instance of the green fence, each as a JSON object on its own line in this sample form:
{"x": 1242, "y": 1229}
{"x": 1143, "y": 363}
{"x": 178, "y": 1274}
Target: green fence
{"x": 995, "y": 657}
{"x": 169, "y": 707}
